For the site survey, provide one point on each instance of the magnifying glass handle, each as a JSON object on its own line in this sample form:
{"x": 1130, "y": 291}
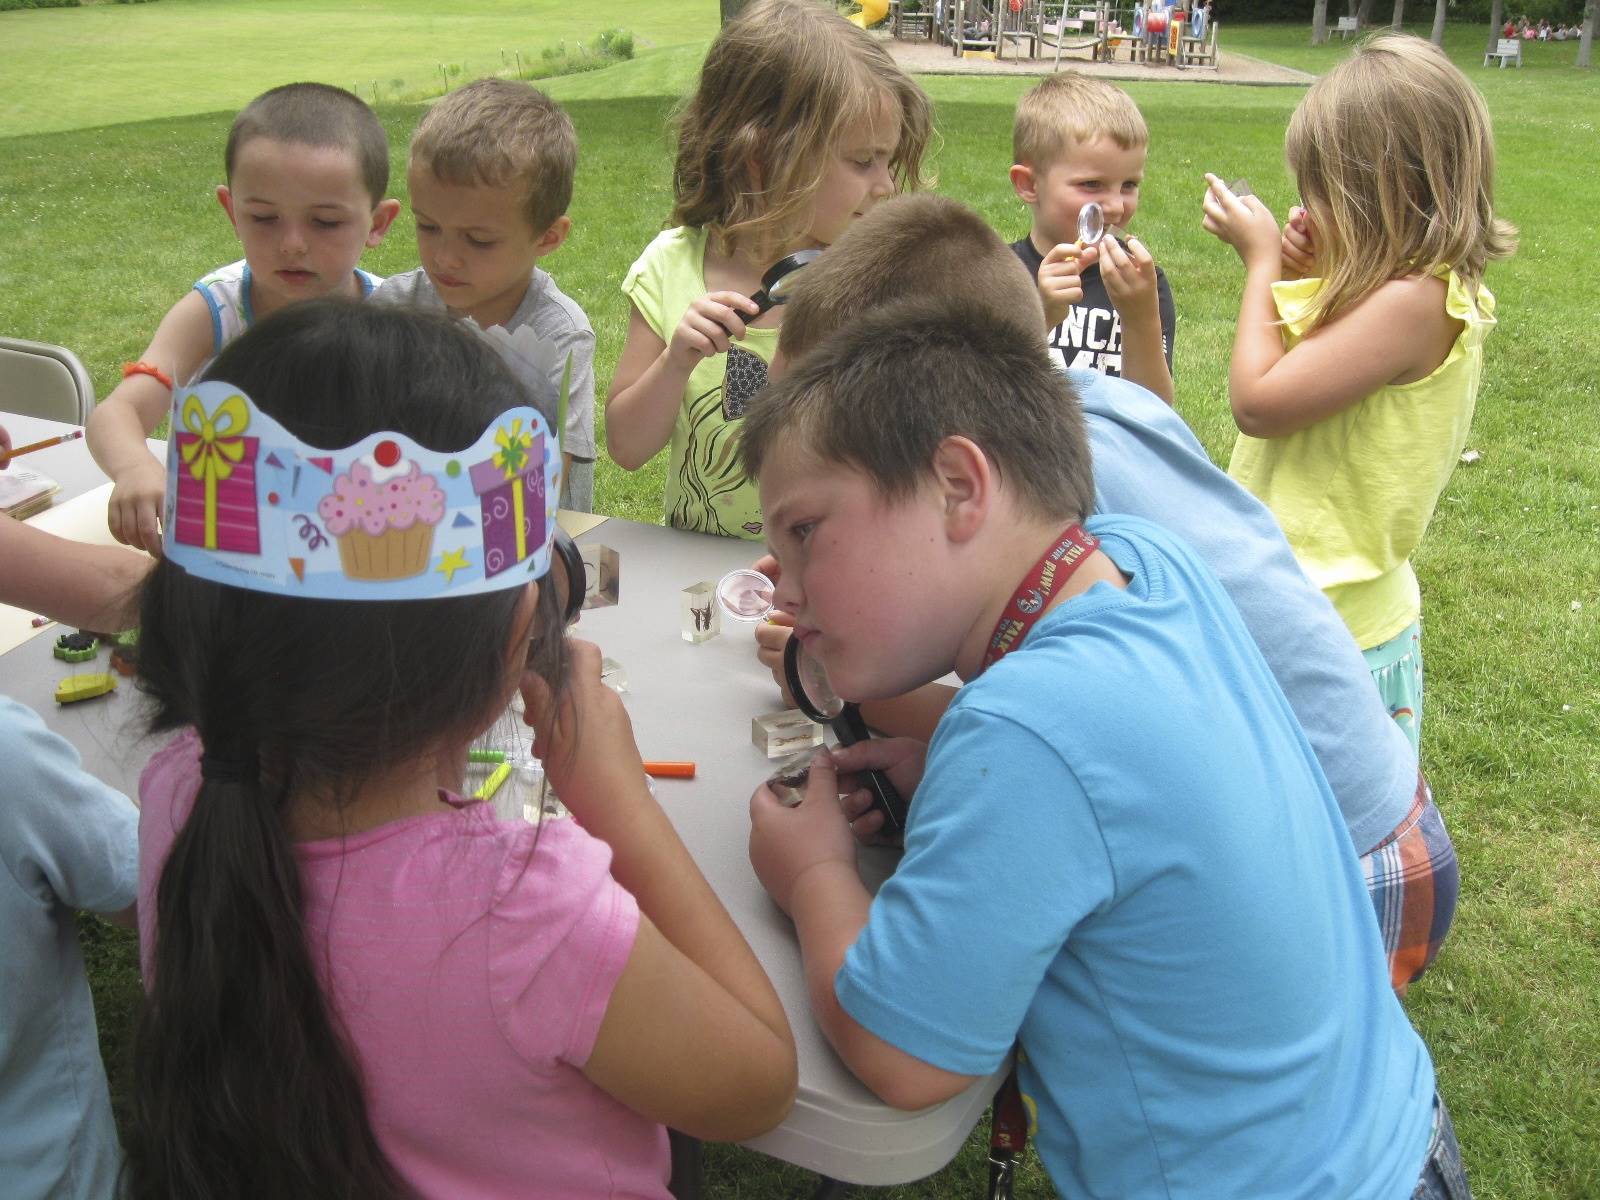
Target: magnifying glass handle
{"x": 849, "y": 728}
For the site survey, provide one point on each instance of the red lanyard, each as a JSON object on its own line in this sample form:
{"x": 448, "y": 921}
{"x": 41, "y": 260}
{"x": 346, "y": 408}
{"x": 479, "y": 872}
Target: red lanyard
{"x": 1032, "y": 596}
{"x": 1008, "y": 1122}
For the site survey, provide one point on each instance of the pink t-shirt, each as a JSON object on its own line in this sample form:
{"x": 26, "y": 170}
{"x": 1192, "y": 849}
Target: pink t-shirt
{"x": 471, "y": 962}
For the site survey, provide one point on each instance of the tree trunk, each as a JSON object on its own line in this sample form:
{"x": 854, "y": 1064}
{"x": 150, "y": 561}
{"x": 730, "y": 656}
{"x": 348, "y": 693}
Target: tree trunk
{"x": 730, "y": 9}
{"x": 1588, "y": 33}
{"x": 1399, "y": 20}
{"x": 1437, "y": 36}
{"x": 1496, "y": 19}
{"x": 1319, "y": 23}
{"x": 1364, "y": 14}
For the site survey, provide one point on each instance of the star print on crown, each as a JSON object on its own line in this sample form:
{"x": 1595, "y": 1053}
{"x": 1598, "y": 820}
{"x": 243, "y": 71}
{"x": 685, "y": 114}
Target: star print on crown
{"x": 249, "y": 504}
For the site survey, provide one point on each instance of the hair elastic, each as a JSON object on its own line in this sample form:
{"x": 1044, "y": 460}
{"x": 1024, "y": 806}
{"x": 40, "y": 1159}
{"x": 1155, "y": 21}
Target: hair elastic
{"x": 230, "y": 768}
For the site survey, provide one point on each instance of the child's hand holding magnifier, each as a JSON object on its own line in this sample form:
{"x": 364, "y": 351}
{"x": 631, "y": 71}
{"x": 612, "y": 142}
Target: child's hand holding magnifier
{"x": 1061, "y": 272}
{"x": 773, "y": 630}
{"x": 1243, "y": 222}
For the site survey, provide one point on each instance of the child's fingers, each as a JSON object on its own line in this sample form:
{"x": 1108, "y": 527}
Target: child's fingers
{"x": 866, "y": 822}
{"x": 735, "y": 300}
{"x": 706, "y": 335}
{"x": 1137, "y": 253}
{"x": 149, "y": 526}
{"x": 1062, "y": 252}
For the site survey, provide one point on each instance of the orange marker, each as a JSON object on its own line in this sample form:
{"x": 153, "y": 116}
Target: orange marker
{"x": 670, "y": 770}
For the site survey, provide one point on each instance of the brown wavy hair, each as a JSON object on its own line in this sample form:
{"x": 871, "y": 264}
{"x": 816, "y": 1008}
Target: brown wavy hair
{"x": 777, "y": 90}
{"x": 1394, "y": 157}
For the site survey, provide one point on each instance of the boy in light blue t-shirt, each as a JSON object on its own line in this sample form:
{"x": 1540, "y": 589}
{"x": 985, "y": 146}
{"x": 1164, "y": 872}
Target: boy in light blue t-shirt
{"x": 1121, "y": 854}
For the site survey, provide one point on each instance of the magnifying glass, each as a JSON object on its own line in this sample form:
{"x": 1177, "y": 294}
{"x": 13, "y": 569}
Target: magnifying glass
{"x": 564, "y": 550}
{"x": 1091, "y": 224}
{"x": 808, "y": 684}
{"x": 745, "y": 595}
{"x": 778, "y": 283}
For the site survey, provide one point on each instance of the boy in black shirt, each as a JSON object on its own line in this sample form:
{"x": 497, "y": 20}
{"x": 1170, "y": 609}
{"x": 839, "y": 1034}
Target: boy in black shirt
{"x": 1078, "y": 140}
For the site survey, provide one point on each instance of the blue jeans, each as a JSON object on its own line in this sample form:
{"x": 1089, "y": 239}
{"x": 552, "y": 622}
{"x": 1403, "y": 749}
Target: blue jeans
{"x": 1443, "y": 1177}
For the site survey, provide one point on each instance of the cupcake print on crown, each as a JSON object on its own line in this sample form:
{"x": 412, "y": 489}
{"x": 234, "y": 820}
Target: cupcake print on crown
{"x": 382, "y": 513}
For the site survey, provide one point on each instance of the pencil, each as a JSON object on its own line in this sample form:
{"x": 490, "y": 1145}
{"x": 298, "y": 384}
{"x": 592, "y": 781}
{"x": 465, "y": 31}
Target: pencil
{"x": 486, "y": 756}
{"x": 49, "y": 441}
{"x": 670, "y": 770}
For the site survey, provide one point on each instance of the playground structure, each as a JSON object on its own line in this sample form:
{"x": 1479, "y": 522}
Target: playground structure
{"x": 872, "y": 11}
{"x": 1035, "y": 29}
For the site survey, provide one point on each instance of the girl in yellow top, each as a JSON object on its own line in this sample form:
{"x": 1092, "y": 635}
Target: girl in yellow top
{"x": 1360, "y": 339}
{"x": 801, "y": 122}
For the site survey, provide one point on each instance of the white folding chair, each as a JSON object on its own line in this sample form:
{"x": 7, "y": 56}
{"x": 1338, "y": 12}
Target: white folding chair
{"x": 41, "y": 380}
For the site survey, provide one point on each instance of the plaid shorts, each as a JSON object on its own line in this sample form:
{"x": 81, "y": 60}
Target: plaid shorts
{"x": 1413, "y": 879}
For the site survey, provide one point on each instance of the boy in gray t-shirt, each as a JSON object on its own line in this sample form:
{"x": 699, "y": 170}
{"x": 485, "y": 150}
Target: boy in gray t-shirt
{"x": 490, "y": 178}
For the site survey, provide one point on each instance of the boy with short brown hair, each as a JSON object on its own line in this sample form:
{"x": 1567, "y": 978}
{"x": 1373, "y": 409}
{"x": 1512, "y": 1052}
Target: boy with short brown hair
{"x": 1120, "y": 855}
{"x": 1078, "y": 140}
{"x": 490, "y": 175}
{"x": 306, "y": 167}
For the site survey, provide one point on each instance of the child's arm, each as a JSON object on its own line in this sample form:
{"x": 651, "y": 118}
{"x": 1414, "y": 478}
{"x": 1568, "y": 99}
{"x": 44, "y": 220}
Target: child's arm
{"x": 1397, "y": 334}
{"x": 90, "y": 587}
{"x": 806, "y": 859}
{"x": 1130, "y": 279}
{"x": 647, "y": 389}
{"x": 120, "y": 423}
{"x": 693, "y": 1036}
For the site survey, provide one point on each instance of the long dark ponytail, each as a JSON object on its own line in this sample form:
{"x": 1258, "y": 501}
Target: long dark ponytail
{"x": 243, "y": 1084}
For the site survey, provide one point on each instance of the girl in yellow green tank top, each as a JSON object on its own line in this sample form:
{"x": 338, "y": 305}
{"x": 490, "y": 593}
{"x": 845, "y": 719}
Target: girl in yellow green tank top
{"x": 801, "y": 123}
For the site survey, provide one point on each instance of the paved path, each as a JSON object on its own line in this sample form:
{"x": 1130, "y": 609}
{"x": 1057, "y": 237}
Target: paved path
{"x": 930, "y": 58}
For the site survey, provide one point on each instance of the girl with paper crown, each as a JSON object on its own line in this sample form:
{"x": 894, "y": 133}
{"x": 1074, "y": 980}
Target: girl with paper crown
{"x": 360, "y": 984}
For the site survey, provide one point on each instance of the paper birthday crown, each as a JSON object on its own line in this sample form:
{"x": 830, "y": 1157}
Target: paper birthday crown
{"x": 251, "y": 505}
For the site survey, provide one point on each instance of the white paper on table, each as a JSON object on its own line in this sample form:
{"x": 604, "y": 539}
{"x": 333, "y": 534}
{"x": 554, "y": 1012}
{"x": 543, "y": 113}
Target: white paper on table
{"x": 81, "y": 519}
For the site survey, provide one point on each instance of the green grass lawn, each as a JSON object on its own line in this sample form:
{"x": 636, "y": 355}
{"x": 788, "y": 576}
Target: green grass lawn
{"x": 104, "y": 227}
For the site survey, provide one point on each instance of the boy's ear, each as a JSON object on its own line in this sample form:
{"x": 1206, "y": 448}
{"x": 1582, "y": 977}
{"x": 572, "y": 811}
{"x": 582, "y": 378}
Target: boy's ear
{"x": 1025, "y": 183}
{"x": 383, "y": 216}
{"x": 966, "y": 482}
{"x": 552, "y": 238}
{"x": 225, "y": 198}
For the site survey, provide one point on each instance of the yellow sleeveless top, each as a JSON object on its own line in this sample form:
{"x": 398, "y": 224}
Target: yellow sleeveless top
{"x": 1354, "y": 493}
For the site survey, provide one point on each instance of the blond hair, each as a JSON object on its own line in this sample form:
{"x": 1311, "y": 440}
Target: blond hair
{"x": 917, "y": 245}
{"x": 778, "y": 88}
{"x": 1394, "y": 157}
{"x": 1071, "y": 109}
{"x": 500, "y": 133}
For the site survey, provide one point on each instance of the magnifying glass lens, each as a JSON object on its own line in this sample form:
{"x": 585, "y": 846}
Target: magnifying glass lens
{"x": 1091, "y": 223}
{"x": 745, "y": 595}
{"x": 819, "y": 694}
